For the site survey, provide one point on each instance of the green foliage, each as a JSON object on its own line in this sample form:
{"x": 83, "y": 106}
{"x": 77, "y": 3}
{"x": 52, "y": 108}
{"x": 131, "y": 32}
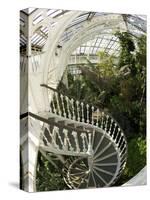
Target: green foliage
{"x": 106, "y": 67}
{"x": 132, "y": 91}
{"x": 136, "y": 159}
{"x": 119, "y": 87}
{"x": 127, "y": 49}
{"x": 136, "y": 156}
{"x": 48, "y": 177}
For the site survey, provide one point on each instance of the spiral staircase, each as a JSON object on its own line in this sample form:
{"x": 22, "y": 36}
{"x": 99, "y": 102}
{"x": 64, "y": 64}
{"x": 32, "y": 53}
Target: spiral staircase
{"x": 89, "y": 142}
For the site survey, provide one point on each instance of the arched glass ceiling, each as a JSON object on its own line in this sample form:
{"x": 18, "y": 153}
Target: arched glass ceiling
{"x": 136, "y": 25}
{"x": 107, "y": 43}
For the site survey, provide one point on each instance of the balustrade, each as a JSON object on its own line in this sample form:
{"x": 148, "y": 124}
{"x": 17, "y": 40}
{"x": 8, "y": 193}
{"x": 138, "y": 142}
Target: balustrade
{"x": 68, "y": 107}
{"x": 91, "y": 138}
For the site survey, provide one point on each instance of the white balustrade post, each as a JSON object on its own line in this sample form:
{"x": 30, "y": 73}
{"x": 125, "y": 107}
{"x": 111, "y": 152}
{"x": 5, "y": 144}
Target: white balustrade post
{"x": 92, "y": 115}
{"x": 73, "y": 110}
{"x": 102, "y": 120}
{"x": 87, "y": 112}
{"x": 68, "y": 143}
{"x": 123, "y": 142}
{"x": 52, "y": 135}
{"x": 65, "y": 142}
{"x": 74, "y": 133}
{"x": 55, "y": 133}
{"x": 97, "y": 116}
{"x": 82, "y": 112}
{"x": 110, "y": 126}
{"x": 58, "y": 105}
{"x": 63, "y": 106}
{"x": 44, "y": 138}
{"x": 115, "y": 126}
{"x": 122, "y": 151}
{"x": 83, "y": 141}
{"x": 67, "y": 100}
{"x": 120, "y": 137}
{"x": 118, "y": 131}
{"x": 89, "y": 144}
{"x": 106, "y": 124}
{"x": 78, "y": 112}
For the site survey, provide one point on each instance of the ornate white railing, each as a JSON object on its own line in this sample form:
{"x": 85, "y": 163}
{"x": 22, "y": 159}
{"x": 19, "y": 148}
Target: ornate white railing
{"x": 75, "y": 110}
{"x": 66, "y": 142}
{"x": 83, "y": 131}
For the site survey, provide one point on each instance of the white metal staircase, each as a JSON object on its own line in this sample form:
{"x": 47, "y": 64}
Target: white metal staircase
{"x": 92, "y": 140}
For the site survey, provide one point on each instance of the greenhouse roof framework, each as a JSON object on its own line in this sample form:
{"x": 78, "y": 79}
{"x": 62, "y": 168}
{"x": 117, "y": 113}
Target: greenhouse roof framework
{"x": 102, "y": 39}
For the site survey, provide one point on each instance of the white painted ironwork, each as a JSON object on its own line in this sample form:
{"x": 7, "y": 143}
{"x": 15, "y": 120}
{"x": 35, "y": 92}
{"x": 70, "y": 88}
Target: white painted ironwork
{"x": 93, "y": 139}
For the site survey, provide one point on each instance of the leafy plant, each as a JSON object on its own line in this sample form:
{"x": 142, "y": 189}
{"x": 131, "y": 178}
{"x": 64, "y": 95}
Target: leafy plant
{"x": 136, "y": 159}
{"x": 48, "y": 177}
{"x": 118, "y": 85}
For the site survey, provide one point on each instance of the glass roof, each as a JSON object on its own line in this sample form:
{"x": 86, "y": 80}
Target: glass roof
{"x": 107, "y": 43}
{"x": 136, "y": 25}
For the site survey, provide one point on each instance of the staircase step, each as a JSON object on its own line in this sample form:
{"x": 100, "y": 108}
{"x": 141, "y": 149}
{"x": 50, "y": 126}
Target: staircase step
{"x": 78, "y": 125}
{"x": 61, "y": 122}
{"x": 52, "y": 119}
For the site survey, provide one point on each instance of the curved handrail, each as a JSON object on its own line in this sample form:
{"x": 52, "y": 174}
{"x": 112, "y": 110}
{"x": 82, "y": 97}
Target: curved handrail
{"x": 81, "y": 114}
{"x": 71, "y": 108}
{"x": 83, "y": 101}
